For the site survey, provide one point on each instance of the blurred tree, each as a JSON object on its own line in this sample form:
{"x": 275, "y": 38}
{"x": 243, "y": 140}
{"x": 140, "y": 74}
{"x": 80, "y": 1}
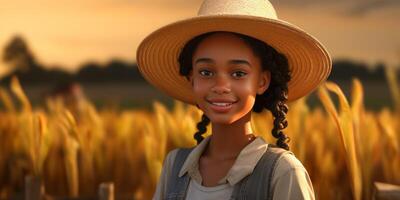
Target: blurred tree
{"x": 18, "y": 55}
{"x": 347, "y": 69}
{"x": 115, "y": 70}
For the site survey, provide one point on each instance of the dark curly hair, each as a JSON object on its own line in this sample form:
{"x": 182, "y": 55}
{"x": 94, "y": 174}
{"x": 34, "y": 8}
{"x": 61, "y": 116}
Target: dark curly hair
{"x": 273, "y": 99}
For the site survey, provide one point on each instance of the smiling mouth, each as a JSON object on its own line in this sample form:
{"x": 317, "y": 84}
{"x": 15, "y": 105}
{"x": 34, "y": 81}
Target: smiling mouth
{"x": 221, "y": 104}
{"x": 221, "y": 107}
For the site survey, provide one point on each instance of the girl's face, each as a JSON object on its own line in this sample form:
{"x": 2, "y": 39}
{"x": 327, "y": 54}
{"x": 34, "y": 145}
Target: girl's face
{"x": 226, "y": 77}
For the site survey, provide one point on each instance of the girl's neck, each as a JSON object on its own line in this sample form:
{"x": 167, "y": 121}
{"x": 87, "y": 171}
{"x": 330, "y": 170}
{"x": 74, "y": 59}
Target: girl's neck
{"x": 227, "y": 140}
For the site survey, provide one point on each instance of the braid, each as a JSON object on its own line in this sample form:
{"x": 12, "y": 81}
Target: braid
{"x": 273, "y": 99}
{"x": 279, "y": 111}
{"x": 202, "y": 128}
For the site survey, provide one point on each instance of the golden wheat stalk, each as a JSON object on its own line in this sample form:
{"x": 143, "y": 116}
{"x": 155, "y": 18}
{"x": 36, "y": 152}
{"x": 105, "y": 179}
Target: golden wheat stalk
{"x": 38, "y": 135}
{"x": 391, "y": 76}
{"x": 344, "y": 122}
{"x": 7, "y": 101}
{"x": 70, "y": 146}
{"x": 27, "y": 132}
{"x": 18, "y": 91}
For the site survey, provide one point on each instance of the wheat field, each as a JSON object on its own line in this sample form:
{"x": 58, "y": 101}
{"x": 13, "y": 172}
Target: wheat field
{"x": 75, "y": 147}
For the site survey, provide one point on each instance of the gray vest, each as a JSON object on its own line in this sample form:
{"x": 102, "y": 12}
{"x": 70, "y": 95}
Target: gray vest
{"x": 256, "y": 185}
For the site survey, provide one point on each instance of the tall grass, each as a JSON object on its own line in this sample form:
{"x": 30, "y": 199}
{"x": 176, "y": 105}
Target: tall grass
{"x": 344, "y": 147}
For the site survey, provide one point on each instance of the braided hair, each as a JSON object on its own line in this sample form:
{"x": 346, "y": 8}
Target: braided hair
{"x": 273, "y": 99}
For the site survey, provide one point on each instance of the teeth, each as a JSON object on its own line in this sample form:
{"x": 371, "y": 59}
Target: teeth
{"x": 221, "y": 104}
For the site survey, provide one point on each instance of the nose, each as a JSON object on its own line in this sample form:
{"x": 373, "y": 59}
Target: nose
{"x": 221, "y": 85}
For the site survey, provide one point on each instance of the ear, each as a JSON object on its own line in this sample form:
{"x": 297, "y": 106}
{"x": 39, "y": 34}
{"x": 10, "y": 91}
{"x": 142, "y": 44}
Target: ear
{"x": 264, "y": 81}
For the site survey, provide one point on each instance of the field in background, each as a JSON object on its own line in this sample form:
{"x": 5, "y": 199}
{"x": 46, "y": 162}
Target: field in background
{"x": 74, "y": 147}
{"x": 130, "y": 95}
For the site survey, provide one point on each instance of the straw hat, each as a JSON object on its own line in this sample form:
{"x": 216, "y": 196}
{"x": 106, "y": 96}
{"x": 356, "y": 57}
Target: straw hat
{"x": 157, "y": 55}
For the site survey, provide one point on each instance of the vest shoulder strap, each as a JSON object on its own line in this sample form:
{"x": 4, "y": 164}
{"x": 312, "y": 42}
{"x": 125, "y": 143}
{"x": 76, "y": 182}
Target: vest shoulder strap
{"x": 177, "y": 186}
{"x": 257, "y": 185}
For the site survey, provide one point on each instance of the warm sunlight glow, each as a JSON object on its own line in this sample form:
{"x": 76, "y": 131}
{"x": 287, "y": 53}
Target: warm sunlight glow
{"x": 67, "y": 33}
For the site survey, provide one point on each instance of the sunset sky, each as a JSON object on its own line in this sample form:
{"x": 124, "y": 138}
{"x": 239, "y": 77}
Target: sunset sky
{"x": 68, "y": 33}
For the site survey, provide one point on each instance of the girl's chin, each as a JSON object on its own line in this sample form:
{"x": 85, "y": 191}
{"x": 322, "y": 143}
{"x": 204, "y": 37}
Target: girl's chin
{"x": 222, "y": 120}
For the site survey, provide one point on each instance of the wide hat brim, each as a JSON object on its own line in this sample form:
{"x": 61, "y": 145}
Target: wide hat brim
{"x": 157, "y": 55}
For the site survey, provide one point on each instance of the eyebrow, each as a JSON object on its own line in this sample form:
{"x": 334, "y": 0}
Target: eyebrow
{"x": 245, "y": 62}
{"x": 234, "y": 61}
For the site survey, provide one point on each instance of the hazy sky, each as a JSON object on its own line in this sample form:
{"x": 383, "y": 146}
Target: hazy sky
{"x": 70, "y": 32}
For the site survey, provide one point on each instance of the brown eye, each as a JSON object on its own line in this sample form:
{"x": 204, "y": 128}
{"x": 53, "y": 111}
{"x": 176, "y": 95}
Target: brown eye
{"x": 205, "y": 73}
{"x": 239, "y": 74}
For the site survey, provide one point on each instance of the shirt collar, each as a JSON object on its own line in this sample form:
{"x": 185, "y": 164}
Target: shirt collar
{"x": 243, "y": 165}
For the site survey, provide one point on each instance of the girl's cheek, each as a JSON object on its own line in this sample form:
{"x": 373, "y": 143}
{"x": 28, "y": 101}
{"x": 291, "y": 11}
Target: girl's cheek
{"x": 199, "y": 85}
{"x": 246, "y": 86}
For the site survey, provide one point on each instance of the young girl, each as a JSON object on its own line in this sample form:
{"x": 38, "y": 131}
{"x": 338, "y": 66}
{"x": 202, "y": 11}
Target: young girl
{"x": 235, "y": 57}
